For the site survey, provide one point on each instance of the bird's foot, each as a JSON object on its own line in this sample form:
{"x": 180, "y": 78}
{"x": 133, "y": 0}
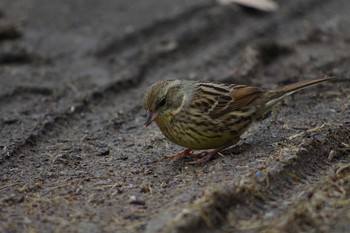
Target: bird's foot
{"x": 203, "y": 157}
{"x": 179, "y": 155}
{"x": 186, "y": 153}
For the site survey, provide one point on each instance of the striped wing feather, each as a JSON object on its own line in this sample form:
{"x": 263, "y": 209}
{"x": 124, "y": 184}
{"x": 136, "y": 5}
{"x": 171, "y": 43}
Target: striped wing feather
{"x": 239, "y": 97}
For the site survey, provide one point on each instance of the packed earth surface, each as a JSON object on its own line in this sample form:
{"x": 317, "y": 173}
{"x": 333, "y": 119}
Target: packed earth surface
{"x": 75, "y": 155}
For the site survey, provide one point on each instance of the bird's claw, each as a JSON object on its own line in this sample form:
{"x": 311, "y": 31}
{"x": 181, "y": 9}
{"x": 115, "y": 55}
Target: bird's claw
{"x": 179, "y": 155}
{"x": 201, "y": 157}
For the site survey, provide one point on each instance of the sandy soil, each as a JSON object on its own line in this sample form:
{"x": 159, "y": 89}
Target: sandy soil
{"x": 75, "y": 156}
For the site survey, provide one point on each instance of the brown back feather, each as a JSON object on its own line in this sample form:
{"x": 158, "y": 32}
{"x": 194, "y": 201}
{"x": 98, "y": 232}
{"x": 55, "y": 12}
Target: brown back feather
{"x": 239, "y": 97}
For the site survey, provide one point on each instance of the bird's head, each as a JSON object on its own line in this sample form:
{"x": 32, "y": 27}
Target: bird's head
{"x": 163, "y": 100}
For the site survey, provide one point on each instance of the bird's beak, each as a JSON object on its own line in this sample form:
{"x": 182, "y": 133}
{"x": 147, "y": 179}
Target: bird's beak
{"x": 150, "y": 117}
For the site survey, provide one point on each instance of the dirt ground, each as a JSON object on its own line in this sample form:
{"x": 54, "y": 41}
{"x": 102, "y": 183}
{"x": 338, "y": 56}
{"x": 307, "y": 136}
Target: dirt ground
{"x": 75, "y": 156}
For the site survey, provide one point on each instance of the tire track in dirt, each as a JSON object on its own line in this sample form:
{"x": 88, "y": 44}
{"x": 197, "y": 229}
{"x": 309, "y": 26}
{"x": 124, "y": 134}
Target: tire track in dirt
{"x": 277, "y": 185}
{"x": 156, "y": 29}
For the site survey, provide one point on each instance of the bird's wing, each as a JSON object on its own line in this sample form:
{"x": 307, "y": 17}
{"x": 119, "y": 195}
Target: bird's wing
{"x": 239, "y": 97}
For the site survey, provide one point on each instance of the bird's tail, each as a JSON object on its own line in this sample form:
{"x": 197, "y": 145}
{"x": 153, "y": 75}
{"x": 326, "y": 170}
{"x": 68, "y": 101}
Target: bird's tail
{"x": 274, "y": 96}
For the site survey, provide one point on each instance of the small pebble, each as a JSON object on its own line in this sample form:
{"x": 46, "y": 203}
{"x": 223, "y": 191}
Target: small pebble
{"x": 136, "y": 200}
{"x": 102, "y": 153}
{"x": 258, "y": 174}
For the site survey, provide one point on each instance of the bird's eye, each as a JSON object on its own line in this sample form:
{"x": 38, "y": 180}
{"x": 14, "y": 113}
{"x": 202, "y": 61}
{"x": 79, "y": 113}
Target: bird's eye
{"x": 162, "y": 102}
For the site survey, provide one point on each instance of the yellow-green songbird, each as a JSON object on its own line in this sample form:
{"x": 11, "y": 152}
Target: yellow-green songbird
{"x": 202, "y": 115}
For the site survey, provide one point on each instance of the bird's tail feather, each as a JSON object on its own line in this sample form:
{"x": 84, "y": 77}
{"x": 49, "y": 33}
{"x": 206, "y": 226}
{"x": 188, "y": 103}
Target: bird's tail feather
{"x": 274, "y": 96}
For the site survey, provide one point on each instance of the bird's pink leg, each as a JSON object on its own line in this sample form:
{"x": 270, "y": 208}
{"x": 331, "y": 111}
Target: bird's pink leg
{"x": 205, "y": 156}
{"x": 180, "y": 155}
{"x": 184, "y": 153}
{"x": 201, "y": 157}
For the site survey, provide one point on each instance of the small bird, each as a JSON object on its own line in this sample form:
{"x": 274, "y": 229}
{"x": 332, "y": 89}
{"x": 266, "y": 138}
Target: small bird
{"x": 201, "y": 115}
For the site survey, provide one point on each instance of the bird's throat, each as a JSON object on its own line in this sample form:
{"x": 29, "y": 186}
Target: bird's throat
{"x": 164, "y": 119}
